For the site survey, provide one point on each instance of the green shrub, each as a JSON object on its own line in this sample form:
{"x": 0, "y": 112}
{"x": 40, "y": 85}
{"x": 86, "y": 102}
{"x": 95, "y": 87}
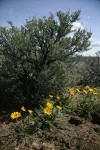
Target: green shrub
{"x": 36, "y": 56}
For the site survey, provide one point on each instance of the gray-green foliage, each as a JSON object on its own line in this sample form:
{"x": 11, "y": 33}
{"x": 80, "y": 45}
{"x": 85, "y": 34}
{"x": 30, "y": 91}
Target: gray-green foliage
{"x": 36, "y": 55}
{"x": 92, "y": 75}
{"x": 89, "y": 70}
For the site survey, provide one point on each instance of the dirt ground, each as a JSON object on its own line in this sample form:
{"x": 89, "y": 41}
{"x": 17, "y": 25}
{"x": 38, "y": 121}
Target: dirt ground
{"x": 69, "y": 132}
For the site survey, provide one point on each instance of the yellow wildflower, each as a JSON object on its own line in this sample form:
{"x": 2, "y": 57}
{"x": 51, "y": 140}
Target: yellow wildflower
{"x": 87, "y": 87}
{"x": 78, "y": 90}
{"x": 58, "y": 107}
{"x": 85, "y": 91}
{"x": 71, "y": 91}
{"x": 30, "y": 111}
{"x": 23, "y": 108}
{"x": 95, "y": 89}
{"x": 15, "y": 115}
{"x": 49, "y": 105}
{"x": 91, "y": 90}
{"x": 51, "y": 96}
{"x": 95, "y": 93}
{"x": 58, "y": 97}
{"x": 47, "y": 111}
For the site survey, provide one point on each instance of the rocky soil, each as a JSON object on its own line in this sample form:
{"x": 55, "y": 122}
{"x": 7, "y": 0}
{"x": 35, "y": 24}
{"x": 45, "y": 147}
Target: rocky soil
{"x": 68, "y": 133}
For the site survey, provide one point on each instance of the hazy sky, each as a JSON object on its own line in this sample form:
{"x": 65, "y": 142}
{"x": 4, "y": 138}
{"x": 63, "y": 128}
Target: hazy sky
{"x": 19, "y": 10}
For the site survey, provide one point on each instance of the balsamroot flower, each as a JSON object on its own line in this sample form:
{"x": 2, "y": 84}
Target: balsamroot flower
{"x": 72, "y": 91}
{"x": 49, "y": 105}
{"x": 23, "y": 108}
{"x": 95, "y": 93}
{"x": 51, "y": 96}
{"x": 78, "y": 90}
{"x": 47, "y": 111}
{"x": 85, "y": 91}
{"x": 87, "y": 87}
{"x": 15, "y": 115}
{"x": 95, "y": 89}
{"x": 58, "y": 97}
{"x": 30, "y": 111}
{"x": 58, "y": 107}
{"x": 91, "y": 90}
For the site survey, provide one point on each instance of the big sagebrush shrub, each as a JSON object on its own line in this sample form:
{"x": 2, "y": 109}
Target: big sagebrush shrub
{"x": 36, "y": 55}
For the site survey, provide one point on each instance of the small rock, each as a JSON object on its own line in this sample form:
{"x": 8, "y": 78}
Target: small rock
{"x": 36, "y": 145}
{"x": 47, "y": 146}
